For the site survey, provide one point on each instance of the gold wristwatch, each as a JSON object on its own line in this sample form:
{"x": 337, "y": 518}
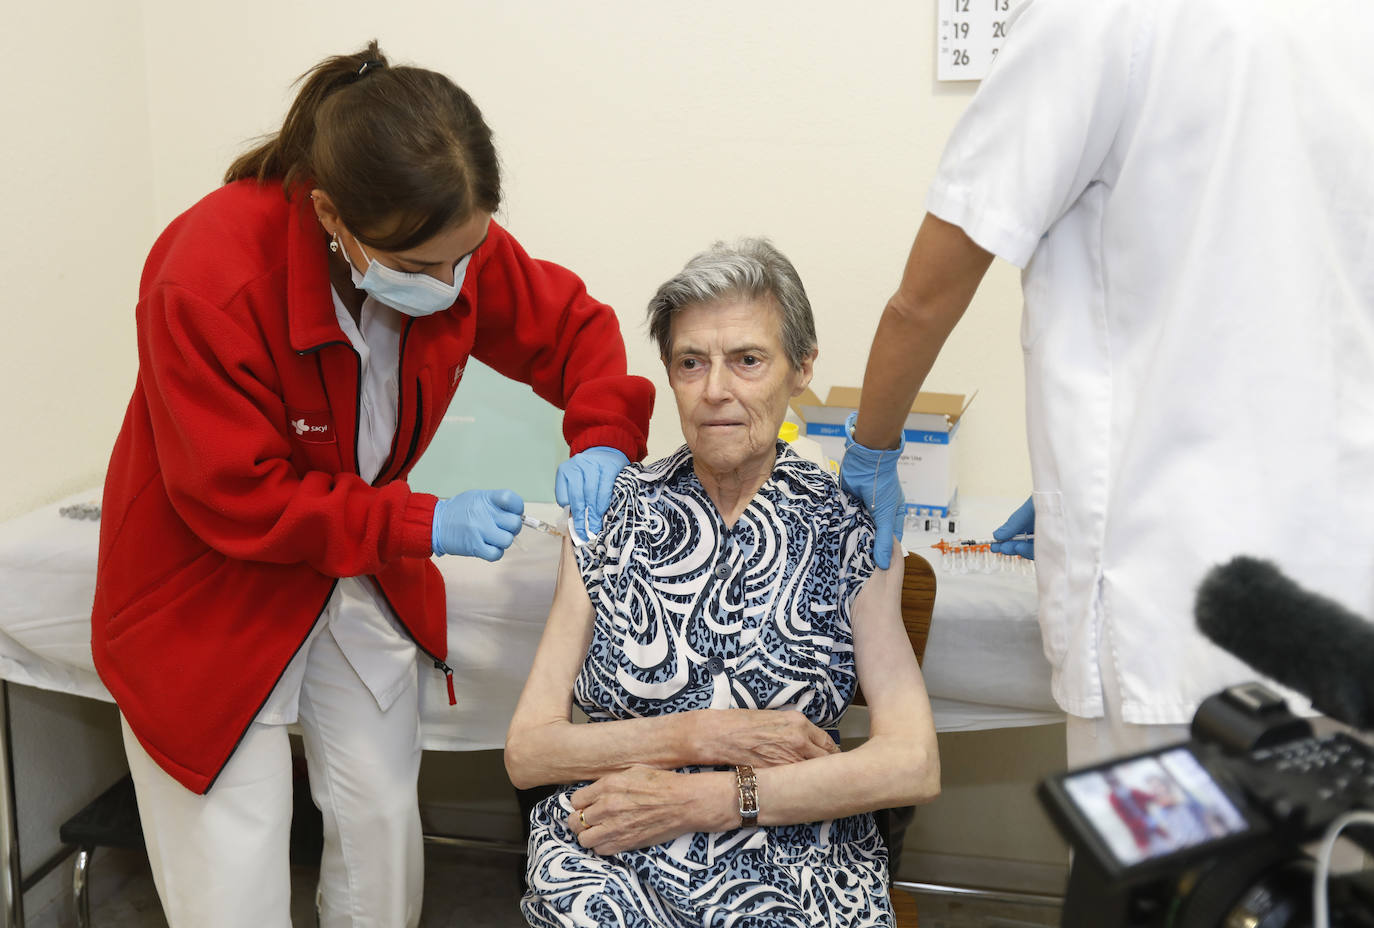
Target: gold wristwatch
{"x": 748, "y": 785}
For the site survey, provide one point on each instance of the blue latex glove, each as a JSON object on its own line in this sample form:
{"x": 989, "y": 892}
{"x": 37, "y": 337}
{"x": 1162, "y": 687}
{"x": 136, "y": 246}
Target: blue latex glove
{"x": 584, "y": 484}
{"x": 872, "y": 477}
{"x": 1022, "y": 522}
{"x": 478, "y": 523}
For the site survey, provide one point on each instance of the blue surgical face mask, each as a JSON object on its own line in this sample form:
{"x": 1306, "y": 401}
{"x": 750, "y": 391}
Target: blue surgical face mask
{"x": 412, "y": 294}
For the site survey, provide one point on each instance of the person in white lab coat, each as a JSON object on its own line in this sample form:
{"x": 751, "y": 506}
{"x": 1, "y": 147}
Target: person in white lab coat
{"x": 1188, "y": 186}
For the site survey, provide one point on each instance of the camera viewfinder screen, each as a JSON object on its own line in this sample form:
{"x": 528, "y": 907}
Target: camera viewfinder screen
{"x": 1150, "y": 806}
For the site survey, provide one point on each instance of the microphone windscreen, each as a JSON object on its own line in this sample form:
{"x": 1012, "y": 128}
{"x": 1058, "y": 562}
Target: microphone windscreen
{"x": 1301, "y": 639}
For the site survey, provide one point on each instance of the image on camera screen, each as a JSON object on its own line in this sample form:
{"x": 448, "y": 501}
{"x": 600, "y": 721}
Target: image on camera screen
{"x": 1149, "y": 806}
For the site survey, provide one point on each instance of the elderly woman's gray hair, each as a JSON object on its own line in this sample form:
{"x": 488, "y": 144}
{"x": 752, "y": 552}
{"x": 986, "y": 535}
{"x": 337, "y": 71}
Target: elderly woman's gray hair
{"x": 749, "y": 269}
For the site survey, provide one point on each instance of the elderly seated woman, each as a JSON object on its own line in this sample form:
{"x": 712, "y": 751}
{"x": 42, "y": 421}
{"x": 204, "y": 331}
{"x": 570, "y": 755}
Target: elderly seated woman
{"x": 714, "y": 632}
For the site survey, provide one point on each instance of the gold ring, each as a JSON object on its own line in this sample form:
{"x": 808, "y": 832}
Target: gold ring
{"x": 583, "y": 819}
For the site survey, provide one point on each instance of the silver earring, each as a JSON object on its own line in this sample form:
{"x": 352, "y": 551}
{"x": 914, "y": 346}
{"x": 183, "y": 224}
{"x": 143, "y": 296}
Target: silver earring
{"x": 334, "y": 246}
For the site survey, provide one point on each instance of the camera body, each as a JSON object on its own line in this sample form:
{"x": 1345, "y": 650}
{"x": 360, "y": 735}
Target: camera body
{"x": 1208, "y": 833}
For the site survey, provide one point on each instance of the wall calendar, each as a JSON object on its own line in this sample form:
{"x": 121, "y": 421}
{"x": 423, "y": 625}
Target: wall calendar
{"x": 968, "y": 35}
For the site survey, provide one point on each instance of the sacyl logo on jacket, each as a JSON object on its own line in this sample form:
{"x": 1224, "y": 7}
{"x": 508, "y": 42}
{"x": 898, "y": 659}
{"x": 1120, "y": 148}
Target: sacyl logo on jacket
{"x": 311, "y": 427}
{"x": 301, "y": 427}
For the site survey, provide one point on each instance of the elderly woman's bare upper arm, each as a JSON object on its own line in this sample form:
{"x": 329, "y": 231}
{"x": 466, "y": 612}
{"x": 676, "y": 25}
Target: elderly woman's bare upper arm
{"x": 888, "y": 672}
{"x": 547, "y": 695}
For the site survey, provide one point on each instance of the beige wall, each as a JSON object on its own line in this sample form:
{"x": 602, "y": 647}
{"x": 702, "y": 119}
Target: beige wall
{"x": 632, "y": 135}
{"x": 77, "y": 218}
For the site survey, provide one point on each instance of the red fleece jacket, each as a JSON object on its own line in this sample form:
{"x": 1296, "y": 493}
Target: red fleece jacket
{"x": 232, "y": 502}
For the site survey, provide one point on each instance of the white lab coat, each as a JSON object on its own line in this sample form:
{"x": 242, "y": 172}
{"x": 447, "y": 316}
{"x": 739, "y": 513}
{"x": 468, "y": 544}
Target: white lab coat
{"x": 1189, "y": 188}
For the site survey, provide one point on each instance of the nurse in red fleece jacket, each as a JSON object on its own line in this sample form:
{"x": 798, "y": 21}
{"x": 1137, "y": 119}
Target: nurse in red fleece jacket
{"x": 301, "y": 332}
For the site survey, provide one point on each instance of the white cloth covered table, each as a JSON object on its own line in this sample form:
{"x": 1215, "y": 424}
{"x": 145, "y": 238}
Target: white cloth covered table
{"x": 984, "y": 665}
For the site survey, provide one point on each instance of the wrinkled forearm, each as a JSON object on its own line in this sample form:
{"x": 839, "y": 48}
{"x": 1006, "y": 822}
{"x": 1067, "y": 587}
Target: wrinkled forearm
{"x": 881, "y": 773}
{"x": 561, "y": 751}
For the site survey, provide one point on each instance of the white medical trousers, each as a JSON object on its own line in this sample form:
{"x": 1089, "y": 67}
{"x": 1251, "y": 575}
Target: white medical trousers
{"x": 221, "y": 860}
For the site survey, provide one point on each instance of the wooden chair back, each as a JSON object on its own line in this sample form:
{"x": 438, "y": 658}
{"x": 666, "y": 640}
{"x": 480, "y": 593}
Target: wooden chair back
{"x": 918, "y": 602}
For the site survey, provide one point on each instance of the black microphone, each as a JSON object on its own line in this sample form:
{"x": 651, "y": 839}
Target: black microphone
{"x": 1302, "y": 639}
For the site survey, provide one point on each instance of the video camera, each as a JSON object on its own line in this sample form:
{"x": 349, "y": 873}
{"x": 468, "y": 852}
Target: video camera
{"x": 1209, "y": 833}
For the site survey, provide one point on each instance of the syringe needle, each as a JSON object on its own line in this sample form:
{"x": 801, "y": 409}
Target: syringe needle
{"x": 539, "y": 525}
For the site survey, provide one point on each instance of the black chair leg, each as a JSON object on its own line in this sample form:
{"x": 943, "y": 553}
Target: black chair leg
{"x": 892, "y": 825}
{"x": 528, "y": 799}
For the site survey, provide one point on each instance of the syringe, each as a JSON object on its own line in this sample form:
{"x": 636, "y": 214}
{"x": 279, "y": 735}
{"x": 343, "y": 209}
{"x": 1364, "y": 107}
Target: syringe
{"x": 539, "y": 525}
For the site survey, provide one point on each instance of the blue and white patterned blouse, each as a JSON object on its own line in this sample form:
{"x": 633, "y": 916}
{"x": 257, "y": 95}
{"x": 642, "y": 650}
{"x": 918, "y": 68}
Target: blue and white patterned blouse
{"x": 690, "y": 614}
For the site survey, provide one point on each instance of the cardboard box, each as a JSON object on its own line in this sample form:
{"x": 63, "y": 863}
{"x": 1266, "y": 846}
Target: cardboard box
{"x": 927, "y": 465}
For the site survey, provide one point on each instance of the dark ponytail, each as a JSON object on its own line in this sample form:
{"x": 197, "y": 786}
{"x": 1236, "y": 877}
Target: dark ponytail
{"x": 403, "y": 152}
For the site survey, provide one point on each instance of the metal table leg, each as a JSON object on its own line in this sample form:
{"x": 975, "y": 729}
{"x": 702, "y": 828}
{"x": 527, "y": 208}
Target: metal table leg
{"x": 11, "y": 876}
{"x": 81, "y": 895}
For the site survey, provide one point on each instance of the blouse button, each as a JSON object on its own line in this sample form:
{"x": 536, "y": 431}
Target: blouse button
{"x": 716, "y": 666}
{"x": 722, "y": 570}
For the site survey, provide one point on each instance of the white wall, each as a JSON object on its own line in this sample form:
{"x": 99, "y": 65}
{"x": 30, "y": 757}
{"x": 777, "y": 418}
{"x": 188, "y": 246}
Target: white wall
{"x": 633, "y": 134}
{"x": 78, "y": 216}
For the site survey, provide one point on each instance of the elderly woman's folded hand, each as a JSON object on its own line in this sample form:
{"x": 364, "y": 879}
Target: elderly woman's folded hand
{"x": 641, "y": 806}
{"x": 759, "y": 737}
